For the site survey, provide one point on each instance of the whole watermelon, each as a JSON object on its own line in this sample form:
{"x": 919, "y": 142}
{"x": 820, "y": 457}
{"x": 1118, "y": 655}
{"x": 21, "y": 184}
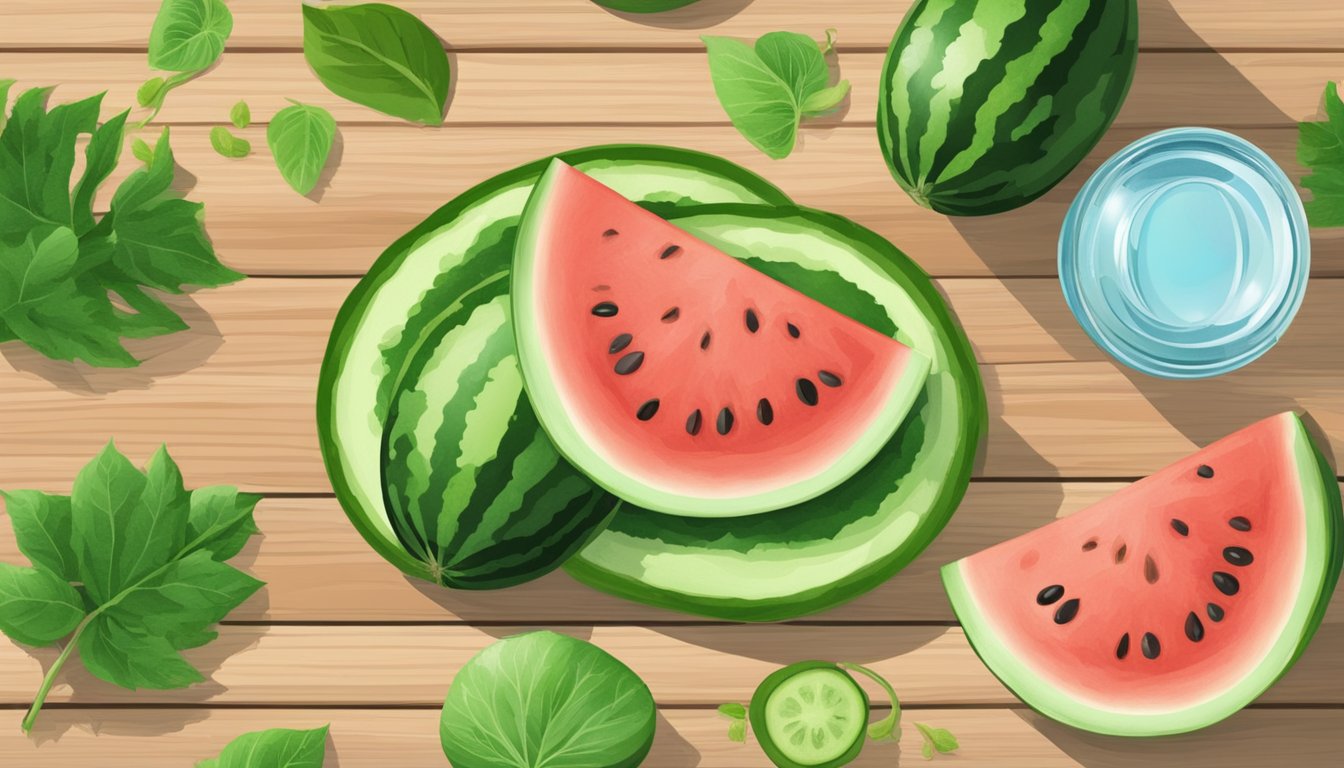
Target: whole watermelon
{"x": 643, "y": 6}
{"x": 987, "y": 104}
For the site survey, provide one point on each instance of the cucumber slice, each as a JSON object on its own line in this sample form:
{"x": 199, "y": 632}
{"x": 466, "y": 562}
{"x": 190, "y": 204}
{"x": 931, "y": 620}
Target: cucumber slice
{"x": 810, "y": 715}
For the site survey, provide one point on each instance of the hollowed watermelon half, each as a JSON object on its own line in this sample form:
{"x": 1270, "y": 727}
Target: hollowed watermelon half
{"x": 1175, "y": 602}
{"x": 680, "y": 378}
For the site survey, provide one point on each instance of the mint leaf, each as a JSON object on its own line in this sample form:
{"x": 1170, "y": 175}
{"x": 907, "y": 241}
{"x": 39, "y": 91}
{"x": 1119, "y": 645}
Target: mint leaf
{"x": 938, "y": 740}
{"x": 228, "y": 145}
{"x": 189, "y": 35}
{"x": 300, "y": 138}
{"x": 1320, "y": 148}
{"x": 149, "y": 559}
{"x": 151, "y": 92}
{"x": 276, "y": 747}
{"x": 766, "y": 89}
{"x": 733, "y": 710}
{"x": 378, "y": 56}
{"x": 737, "y": 717}
{"x": 240, "y": 115}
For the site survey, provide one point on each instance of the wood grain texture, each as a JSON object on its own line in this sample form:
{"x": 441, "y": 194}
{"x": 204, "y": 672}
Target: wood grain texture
{"x": 686, "y": 738}
{"x": 682, "y": 664}
{"x": 234, "y": 397}
{"x": 560, "y": 24}
{"x": 306, "y": 543}
{"x": 1231, "y": 90}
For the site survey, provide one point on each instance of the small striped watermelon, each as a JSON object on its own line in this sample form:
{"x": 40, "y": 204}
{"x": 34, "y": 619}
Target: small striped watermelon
{"x": 987, "y": 104}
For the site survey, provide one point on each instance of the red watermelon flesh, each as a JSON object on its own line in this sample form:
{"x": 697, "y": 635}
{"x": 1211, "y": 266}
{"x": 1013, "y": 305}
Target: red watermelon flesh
{"x": 1172, "y": 603}
{"x": 682, "y": 379}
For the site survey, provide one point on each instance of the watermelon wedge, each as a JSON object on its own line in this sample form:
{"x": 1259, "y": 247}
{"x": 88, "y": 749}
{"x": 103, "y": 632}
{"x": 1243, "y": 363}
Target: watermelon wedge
{"x": 1172, "y": 604}
{"x": 681, "y": 379}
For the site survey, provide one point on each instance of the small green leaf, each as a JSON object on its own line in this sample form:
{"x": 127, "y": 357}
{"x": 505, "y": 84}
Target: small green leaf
{"x": 937, "y": 739}
{"x": 142, "y": 151}
{"x": 301, "y": 138}
{"x": 828, "y": 47}
{"x": 733, "y": 710}
{"x": 37, "y": 607}
{"x": 189, "y": 35}
{"x": 276, "y": 747}
{"x": 151, "y": 92}
{"x": 228, "y": 145}
{"x": 927, "y": 750}
{"x": 825, "y": 100}
{"x": 737, "y": 731}
{"x": 240, "y": 115}
{"x": 379, "y": 56}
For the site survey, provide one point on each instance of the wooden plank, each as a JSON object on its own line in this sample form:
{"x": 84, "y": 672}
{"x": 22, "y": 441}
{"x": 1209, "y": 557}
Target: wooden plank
{"x": 305, "y": 540}
{"x": 1232, "y": 90}
{"x": 386, "y": 180}
{"x": 533, "y": 24}
{"x": 363, "y": 738}
{"x": 682, "y": 664}
{"x": 234, "y": 397}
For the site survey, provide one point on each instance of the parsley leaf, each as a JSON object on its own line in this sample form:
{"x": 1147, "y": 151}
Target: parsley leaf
{"x": 766, "y": 89}
{"x": 1320, "y": 147}
{"x": 130, "y": 565}
{"x": 276, "y": 747}
{"x": 938, "y": 740}
{"x": 60, "y": 266}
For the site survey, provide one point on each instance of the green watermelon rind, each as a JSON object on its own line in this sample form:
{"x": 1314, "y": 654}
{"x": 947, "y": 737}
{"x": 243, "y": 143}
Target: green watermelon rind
{"x": 644, "y": 6}
{"x": 997, "y": 137}
{"x": 828, "y": 551}
{"x": 1322, "y": 512}
{"x": 356, "y": 384}
{"x": 575, "y": 442}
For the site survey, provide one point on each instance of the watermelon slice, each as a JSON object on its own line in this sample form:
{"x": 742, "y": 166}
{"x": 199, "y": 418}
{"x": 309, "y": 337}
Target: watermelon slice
{"x": 683, "y": 380}
{"x": 1172, "y": 604}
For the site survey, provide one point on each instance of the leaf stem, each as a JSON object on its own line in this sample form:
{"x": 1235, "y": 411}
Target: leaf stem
{"x": 886, "y": 727}
{"x": 180, "y": 79}
{"x": 47, "y": 682}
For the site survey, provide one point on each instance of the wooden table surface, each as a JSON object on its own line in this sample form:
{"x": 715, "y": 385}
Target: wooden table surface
{"x": 339, "y": 636}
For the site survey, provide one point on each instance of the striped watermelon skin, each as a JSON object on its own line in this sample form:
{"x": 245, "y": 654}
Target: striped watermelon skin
{"x": 644, "y": 6}
{"x": 985, "y": 105}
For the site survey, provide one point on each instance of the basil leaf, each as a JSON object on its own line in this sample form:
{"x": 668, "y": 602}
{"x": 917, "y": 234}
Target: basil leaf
{"x": 379, "y": 56}
{"x": 300, "y": 138}
{"x": 37, "y": 607}
{"x": 276, "y": 747}
{"x": 240, "y": 115}
{"x": 189, "y": 35}
{"x": 767, "y": 88}
{"x": 228, "y": 145}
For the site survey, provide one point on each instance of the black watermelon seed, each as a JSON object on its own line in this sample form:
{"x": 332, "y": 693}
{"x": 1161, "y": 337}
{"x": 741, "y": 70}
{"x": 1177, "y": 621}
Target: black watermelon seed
{"x": 605, "y": 309}
{"x": 725, "y": 422}
{"x": 1240, "y": 523}
{"x": 1120, "y": 553}
{"x": 1050, "y": 595}
{"x": 1226, "y": 583}
{"x": 1194, "y": 628}
{"x": 610, "y": 233}
{"x": 1204, "y": 471}
{"x": 764, "y": 413}
{"x": 807, "y": 391}
{"x": 630, "y": 363}
{"x": 671, "y": 315}
{"x": 1149, "y": 645}
{"x": 1238, "y": 556}
{"x": 753, "y": 322}
{"x": 620, "y": 342}
{"x": 670, "y": 251}
{"x": 1180, "y": 527}
{"x": 1215, "y": 611}
{"x": 693, "y": 422}
{"x": 1089, "y": 545}
{"x": 647, "y": 410}
{"x": 793, "y": 330}
{"x": 1067, "y": 611}
{"x": 704, "y": 341}
{"x": 1149, "y": 569}
{"x": 828, "y": 378}
{"x": 1122, "y": 650}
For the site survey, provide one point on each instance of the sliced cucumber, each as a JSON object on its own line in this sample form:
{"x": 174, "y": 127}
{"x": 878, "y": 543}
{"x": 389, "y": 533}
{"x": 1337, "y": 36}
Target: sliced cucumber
{"x": 810, "y": 715}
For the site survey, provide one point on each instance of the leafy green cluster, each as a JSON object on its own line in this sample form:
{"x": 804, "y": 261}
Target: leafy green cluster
{"x": 768, "y": 88}
{"x": 188, "y": 37}
{"x": 1320, "y": 147}
{"x": 274, "y": 747}
{"x": 130, "y": 566}
{"x": 60, "y": 265}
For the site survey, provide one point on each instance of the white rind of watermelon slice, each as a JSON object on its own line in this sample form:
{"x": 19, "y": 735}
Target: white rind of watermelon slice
{"x": 683, "y": 380}
{"x": 1154, "y": 644}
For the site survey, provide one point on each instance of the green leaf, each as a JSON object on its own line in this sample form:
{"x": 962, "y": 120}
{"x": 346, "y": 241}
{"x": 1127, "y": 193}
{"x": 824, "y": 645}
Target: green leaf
{"x": 130, "y": 658}
{"x": 100, "y": 159}
{"x": 278, "y": 748}
{"x": 189, "y": 35}
{"x": 142, "y": 151}
{"x": 151, "y": 92}
{"x": 937, "y": 739}
{"x": 825, "y": 100}
{"x": 37, "y": 158}
{"x": 37, "y": 607}
{"x": 301, "y": 137}
{"x": 796, "y": 60}
{"x": 36, "y": 270}
{"x": 733, "y": 710}
{"x": 240, "y": 115}
{"x": 927, "y": 751}
{"x": 1320, "y": 148}
{"x": 379, "y": 56}
{"x": 737, "y": 725}
{"x": 221, "y": 520}
{"x": 228, "y": 145}
{"x": 42, "y": 529}
{"x": 737, "y": 731}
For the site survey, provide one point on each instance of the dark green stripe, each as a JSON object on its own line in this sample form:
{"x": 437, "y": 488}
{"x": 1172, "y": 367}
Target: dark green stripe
{"x": 921, "y": 90}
